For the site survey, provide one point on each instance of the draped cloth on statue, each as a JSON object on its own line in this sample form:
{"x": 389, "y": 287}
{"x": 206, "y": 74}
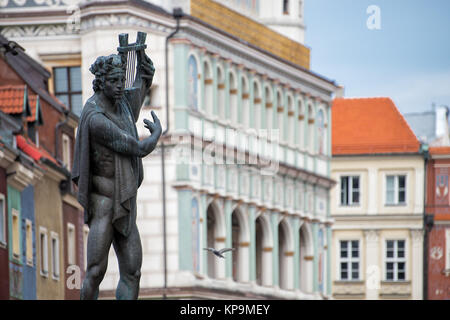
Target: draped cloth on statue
{"x": 128, "y": 173}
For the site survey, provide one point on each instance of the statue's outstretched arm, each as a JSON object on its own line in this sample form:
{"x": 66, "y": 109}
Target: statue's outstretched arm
{"x": 105, "y": 132}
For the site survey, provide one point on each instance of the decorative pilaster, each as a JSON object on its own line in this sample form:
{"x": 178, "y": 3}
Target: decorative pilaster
{"x": 417, "y": 263}
{"x": 372, "y": 269}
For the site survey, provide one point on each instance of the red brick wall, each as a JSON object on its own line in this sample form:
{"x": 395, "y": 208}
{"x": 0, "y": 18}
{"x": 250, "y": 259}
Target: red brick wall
{"x": 438, "y": 283}
{"x": 439, "y": 206}
{"x": 72, "y": 215}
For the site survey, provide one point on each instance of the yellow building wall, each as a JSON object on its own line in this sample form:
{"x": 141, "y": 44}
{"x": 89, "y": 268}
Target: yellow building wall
{"x": 49, "y": 215}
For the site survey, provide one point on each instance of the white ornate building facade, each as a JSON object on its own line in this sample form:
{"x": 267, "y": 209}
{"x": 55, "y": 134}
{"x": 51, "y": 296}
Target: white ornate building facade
{"x": 247, "y": 154}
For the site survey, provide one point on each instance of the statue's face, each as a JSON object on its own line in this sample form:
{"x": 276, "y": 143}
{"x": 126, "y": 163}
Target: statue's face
{"x": 114, "y": 85}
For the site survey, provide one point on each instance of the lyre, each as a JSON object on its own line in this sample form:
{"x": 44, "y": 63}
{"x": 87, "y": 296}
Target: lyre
{"x": 132, "y": 55}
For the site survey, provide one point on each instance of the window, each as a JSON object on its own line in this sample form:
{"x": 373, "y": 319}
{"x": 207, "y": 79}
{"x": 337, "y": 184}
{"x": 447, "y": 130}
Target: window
{"x": 29, "y": 242}
{"x": 67, "y": 86}
{"x": 395, "y": 260}
{"x": 66, "y": 151}
{"x": 44, "y": 251}
{"x": 55, "y": 256}
{"x": 15, "y": 233}
{"x": 300, "y": 8}
{"x": 349, "y": 260}
{"x": 349, "y": 190}
{"x": 71, "y": 252}
{"x": 2, "y": 220}
{"x": 395, "y": 189}
{"x": 285, "y": 6}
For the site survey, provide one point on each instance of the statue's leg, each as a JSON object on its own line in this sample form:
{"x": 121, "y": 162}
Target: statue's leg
{"x": 99, "y": 242}
{"x": 129, "y": 254}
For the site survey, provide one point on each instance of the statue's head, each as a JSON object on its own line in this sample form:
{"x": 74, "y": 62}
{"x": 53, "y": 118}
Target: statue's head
{"x": 109, "y": 76}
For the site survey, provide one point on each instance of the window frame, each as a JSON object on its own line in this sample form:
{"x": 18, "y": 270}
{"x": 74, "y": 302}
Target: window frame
{"x": 15, "y": 214}
{"x": 349, "y": 260}
{"x": 71, "y": 244}
{"x": 4, "y": 241}
{"x": 395, "y": 260}
{"x": 55, "y": 260}
{"x": 44, "y": 252}
{"x": 67, "y": 150}
{"x": 350, "y": 190}
{"x": 29, "y": 243}
{"x": 69, "y": 93}
{"x": 396, "y": 190}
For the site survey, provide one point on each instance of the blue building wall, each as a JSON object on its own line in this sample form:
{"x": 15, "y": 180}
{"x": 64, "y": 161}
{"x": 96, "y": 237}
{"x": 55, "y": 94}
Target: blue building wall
{"x": 29, "y": 271}
{"x": 15, "y": 264}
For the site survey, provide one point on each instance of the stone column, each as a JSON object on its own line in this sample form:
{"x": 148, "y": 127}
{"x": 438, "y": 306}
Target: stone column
{"x": 416, "y": 263}
{"x": 371, "y": 270}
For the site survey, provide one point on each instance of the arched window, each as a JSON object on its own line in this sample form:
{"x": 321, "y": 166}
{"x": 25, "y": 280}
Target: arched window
{"x": 245, "y": 103}
{"x": 269, "y": 109}
{"x": 285, "y": 6}
{"x": 291, "y": 121}
{"x": 301, "y": 126}
{"x": 233, "y": 98}
{"x": 220, "y": 93}
{"x": 311, "y": 131}
{"x": 208, "y": 96}
{"x": 257, "y": 122}
{"x": 192, "y": 83}
{"x": 280, "y": 115}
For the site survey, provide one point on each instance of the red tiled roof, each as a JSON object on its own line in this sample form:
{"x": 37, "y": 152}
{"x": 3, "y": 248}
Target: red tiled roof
{"x": 11, "y": 99}
{"x": 370, "y": 126}
{"x": 439, "y": 150}
{"x": 27, "y": 146}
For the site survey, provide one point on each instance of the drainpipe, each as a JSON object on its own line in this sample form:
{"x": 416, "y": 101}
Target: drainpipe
{"x": 427, "y": 225}
{"x": 177, "y": 14}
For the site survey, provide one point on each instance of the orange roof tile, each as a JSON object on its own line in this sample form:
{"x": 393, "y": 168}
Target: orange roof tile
{"x": 370, "y": 126}
{"x": 11, "y": 99}
{"x": 439, "y": 150}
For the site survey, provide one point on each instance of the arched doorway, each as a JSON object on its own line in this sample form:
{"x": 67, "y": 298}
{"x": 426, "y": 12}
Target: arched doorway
{"x": 263, "y": 252}
{"x": 306, "y": 259}
{"x": 215, "y": 238}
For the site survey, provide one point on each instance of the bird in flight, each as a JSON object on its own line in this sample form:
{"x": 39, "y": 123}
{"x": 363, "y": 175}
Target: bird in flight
{"x": 219, "y": 252}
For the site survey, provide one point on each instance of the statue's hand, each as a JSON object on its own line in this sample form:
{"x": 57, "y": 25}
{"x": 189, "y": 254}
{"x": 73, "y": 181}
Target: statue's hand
{"x": 155, "y": 126}
{"x": 147, "y": 68}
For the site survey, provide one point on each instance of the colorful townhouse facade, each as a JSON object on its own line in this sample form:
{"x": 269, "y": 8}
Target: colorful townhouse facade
{"x": 437, "y": 224}
{"x": 43, "y": 210}
{"x": 224, "y": 81}
{"x": 378, "y": 202}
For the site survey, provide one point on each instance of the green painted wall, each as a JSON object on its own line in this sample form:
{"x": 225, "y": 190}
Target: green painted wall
{"x": 14, "y": 203}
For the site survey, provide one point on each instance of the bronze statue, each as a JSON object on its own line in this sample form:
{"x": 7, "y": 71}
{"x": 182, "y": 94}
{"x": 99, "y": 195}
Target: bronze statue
{"x": 108, "y": 166}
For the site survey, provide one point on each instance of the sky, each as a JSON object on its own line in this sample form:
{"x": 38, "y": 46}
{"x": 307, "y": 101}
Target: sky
{"x": 407, "y": 59}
